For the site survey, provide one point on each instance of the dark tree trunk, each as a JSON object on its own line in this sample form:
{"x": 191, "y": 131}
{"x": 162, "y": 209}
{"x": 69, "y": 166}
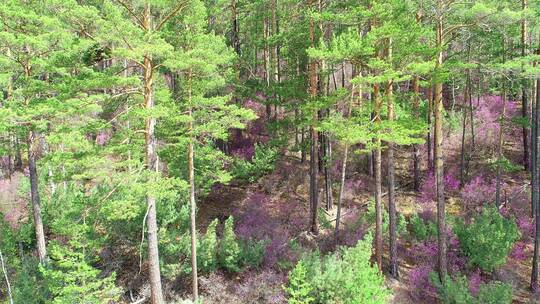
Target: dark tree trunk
{"x": 378, "y": 181}
{"x": 416, "y": 150}
{"x": 430, "y": 133}
{"x": 313, "y": 174}
{"x": 536, "y": 189}
{"x": 466, "y": 97}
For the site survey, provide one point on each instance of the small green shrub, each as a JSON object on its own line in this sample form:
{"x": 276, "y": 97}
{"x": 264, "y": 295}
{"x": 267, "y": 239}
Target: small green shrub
{"x": 71, "y": 278}
{"x": 488, "y": 239}
{"x": 263, "y": 162}
{"x": 457, "y": 291}
{"x": 420, "y": 229}
{"x": 252, "y": 254}
{"x": 453, "y": 291}
{"x": 299, "y": 290}
{"x": 207, "y": 253}
{"x": 344, "y": 277}
{"x": 495, "y": 293}
{"x": 229, "y": 249}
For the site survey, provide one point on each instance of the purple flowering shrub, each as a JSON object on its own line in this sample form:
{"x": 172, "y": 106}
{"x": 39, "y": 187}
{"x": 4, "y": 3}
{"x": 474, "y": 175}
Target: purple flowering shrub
{"x": 475, "y": 280}
{"x": 421, "y": 288}
{"x": 518, "y": 251}
{"x": 478, "y": 192}
{"x": 273, "y": 221}
{"x": 487, "y": 116}
{"x": 428, "y": 188}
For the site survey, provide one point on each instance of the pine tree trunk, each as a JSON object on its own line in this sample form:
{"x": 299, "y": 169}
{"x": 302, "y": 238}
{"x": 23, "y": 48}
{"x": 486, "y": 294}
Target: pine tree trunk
{"x": 151, "y": 163}
{"x": 34, "y": 194}
{"x": 192, "y": 202}
{"x": 416, "y": 150}
{"x": 430, "y": 128}
{"x": 266, "y": 53}
{"x": 466, "y": 96}
{"x": 501, "y": 138}
{"x": 235, "y": 36}
{"x": 439, "y": 161}
{"x": 327, "y": 177}
{"x": 378, "y": 181}
{"x": 536, "y": 190}
{"x": 394, "y": 272}
{"x": 341, "y": 191}
{"x": 525, "y": 103}
{"x": 313, "y": 162}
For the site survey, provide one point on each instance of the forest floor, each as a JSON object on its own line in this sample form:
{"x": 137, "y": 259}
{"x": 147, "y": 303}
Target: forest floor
{"x": 289, "y": 185}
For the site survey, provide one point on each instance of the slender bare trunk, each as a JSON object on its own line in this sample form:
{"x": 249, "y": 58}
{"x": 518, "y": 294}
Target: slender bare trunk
{"x": 430, "y": 128}
{"x": 192, "y": 202}
{"x": 314, "y": 191}
{"x": 536, "y": 189}
{"x": 394, "y": 271}
{"x": 439, "y": 161}
{"x": 34, "y": 193}
{"x": 525, "y": 103}
{"x": 416, "y": 150}
{"x": 501, "y": 138}
{"x": 378, "y": 181}
{"x": 8, "y": 285}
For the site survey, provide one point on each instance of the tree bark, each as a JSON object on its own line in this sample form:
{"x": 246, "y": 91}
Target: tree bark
{"x": 439, "y": 161}
{"x": 430, "y": 127}
{"x": 313, "y": 163}
{"x": 416, "y": 150}
{"x": 151, "y": 163}
{"x": 536, "y": 190}
{"x": 525, "y": 103}
{"x": 394, "y": 272}
{"x": 192, "y": 202}
{"x": 501, "y": 138}
{"x": 378, "y": 181}
{"x": 34, "y": 194}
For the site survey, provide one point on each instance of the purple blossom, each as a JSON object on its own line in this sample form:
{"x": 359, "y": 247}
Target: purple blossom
{"x": 478, "y": 192}
{"x": 421, "y": 288}
{"x": 475, "y": 280}
{"x": 428, "y": 189}
{"x": 518, "y": 251}
{"x": 103, "y": 137}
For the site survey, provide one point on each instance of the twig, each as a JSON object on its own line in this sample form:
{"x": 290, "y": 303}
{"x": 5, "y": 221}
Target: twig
{"x": 6, "y": 277}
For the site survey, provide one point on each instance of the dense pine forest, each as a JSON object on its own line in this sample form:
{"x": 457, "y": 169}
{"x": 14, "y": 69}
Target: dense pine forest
{"x": 269, "y": 151}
